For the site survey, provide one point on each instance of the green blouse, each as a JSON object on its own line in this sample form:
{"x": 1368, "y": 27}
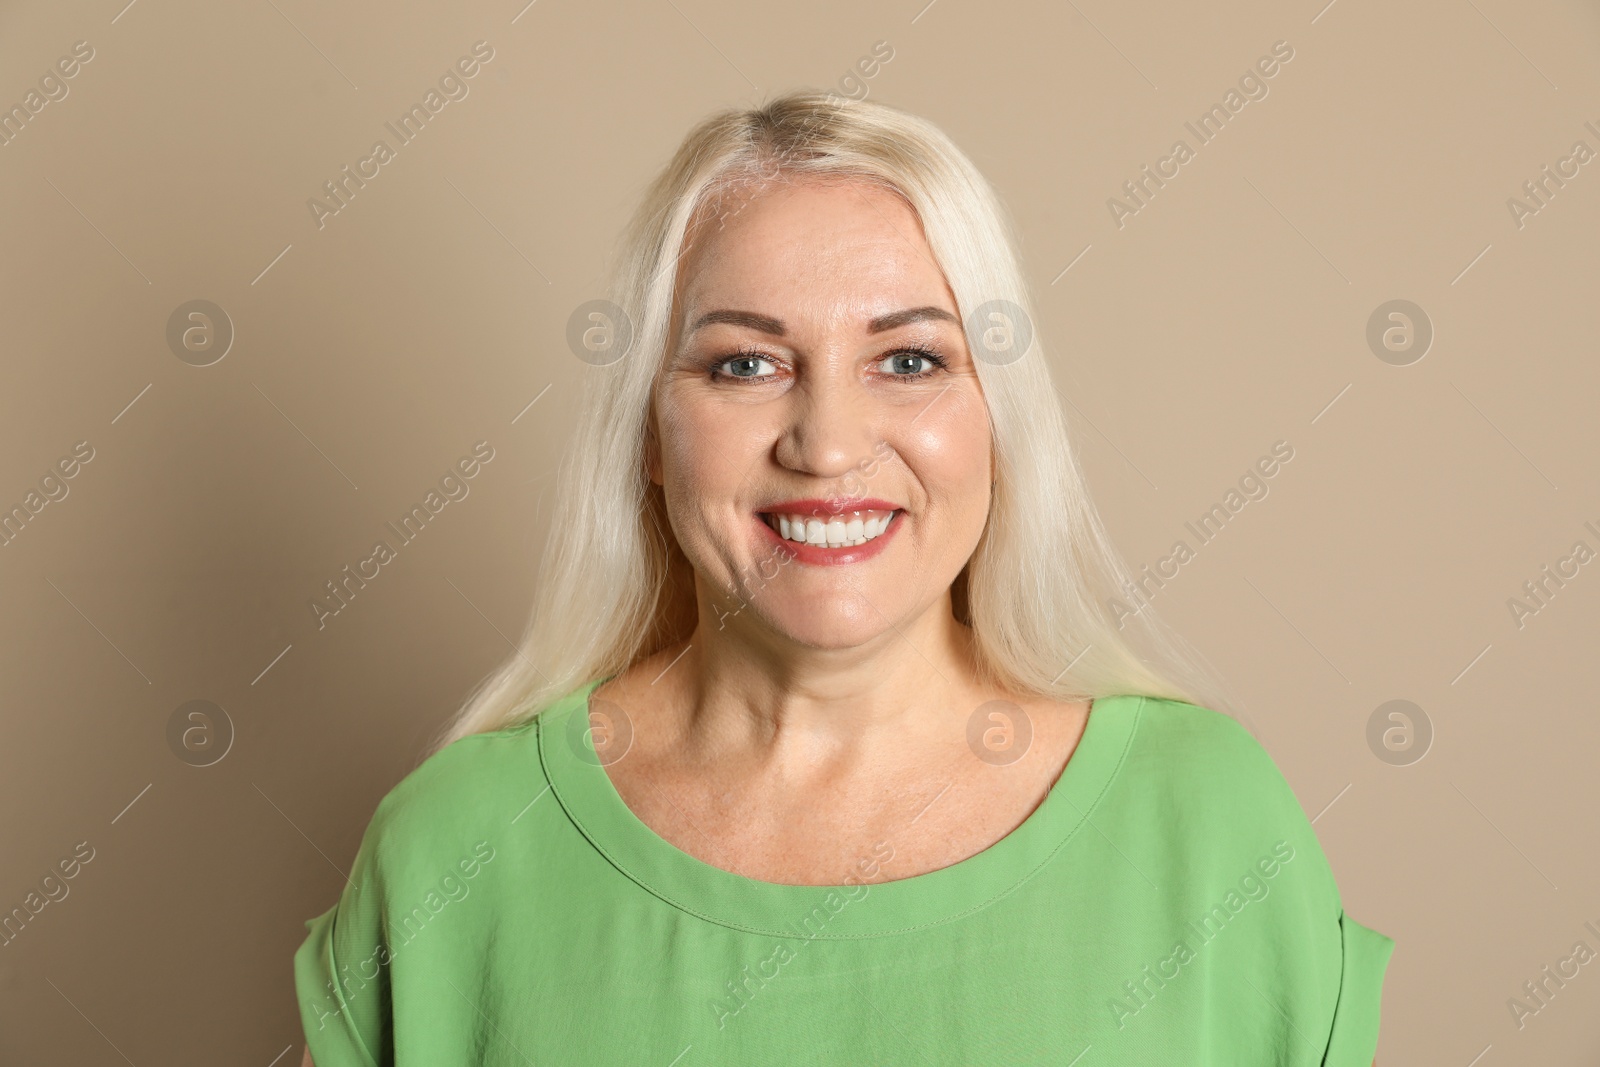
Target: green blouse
{"x": 1166, "y": 903}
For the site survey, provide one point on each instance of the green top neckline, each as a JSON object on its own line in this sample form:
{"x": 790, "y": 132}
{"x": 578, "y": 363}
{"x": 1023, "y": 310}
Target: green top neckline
{"x": 875, "y": 908}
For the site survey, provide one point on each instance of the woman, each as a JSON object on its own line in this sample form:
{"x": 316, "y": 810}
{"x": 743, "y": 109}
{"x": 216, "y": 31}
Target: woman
{"x": 833, "y": 738}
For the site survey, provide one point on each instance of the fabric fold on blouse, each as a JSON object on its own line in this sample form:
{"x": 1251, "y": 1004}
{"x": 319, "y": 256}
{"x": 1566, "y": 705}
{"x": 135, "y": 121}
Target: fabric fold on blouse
{"x": 1167, "y": 902}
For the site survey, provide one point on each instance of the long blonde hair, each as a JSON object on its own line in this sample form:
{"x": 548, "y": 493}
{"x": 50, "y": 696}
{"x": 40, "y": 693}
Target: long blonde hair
{"x": 1052, "y": 607}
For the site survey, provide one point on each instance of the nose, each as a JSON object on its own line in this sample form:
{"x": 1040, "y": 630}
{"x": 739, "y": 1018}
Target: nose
{"x": 829, "y": 425}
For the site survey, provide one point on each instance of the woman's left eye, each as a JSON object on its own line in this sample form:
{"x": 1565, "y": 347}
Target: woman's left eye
{"x": 910, "y": 364}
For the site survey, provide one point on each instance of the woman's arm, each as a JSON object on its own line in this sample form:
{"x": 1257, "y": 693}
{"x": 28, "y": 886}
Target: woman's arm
{"x": 306, "y": 1060}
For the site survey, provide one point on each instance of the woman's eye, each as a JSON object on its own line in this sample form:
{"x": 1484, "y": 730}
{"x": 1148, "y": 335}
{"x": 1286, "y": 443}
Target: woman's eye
{"x": 744, "y": 367}
{"x": 751, "y": 367}
{"x": 907, "y": 364}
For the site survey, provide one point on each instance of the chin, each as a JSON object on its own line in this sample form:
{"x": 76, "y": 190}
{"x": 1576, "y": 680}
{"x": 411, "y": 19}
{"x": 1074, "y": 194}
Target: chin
{"x": 837, "y": 621}
{"x": 829, "y": 639}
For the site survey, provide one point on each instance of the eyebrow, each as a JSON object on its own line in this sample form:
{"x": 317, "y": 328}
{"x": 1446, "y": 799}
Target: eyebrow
{"x": 767, "y": 324}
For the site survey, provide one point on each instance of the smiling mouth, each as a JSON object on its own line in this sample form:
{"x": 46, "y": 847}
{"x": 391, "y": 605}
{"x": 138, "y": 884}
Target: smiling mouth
{"x": 844, "y": 530}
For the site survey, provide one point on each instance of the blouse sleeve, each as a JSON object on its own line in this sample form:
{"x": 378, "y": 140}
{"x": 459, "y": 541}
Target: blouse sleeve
{"x": 1353, "y": 1040}
{"x": 341, "y": 971}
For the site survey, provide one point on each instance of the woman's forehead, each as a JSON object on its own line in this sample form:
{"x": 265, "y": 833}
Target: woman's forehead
{"x": 836, "y": 254}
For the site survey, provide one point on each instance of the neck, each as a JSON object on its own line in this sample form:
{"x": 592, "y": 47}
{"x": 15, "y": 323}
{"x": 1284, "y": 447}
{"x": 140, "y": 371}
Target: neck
{"x": 739, "y": 683}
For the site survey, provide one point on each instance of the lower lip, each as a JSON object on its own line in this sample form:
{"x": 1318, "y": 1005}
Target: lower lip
{"x": 804, "y": 552}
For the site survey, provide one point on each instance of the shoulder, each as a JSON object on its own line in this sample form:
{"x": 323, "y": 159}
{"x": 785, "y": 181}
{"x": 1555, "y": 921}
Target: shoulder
{"x": 1203, "y": 750}
{"x": 471, "y": 791}
{"x": 1202, "y": 771}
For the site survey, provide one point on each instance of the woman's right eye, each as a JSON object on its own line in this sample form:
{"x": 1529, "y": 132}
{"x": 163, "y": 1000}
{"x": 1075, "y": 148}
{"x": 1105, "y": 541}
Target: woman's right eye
{"x": 744, "y": 367}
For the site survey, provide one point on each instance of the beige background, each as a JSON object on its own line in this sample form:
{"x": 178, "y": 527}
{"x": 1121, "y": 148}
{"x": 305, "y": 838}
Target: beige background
{"x": 1229, "y": 313}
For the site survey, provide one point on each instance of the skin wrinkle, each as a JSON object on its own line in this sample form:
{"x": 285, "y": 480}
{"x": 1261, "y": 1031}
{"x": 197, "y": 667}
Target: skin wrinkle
{"x": 880, "y": 215}
{"x": 832, "y": 706}
{"x": 756, "y": 184}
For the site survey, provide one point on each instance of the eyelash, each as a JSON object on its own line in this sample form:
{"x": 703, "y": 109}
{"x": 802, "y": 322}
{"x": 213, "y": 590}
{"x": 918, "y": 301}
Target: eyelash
{"x": 714, "y": 372}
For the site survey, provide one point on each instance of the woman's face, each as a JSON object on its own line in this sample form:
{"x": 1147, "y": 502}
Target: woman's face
{"x": 825, "y": 475}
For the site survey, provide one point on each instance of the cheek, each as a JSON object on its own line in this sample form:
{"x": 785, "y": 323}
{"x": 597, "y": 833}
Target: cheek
{"x": 948, "y": 450}
{"x": 708, "y": 453}
{"x": 707, "y": 448}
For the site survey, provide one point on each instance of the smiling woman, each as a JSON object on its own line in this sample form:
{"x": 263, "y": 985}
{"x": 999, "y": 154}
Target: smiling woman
{"x": 913, "y": 797}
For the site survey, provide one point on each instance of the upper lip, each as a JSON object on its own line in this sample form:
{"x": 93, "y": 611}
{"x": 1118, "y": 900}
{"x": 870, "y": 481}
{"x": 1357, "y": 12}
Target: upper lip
{"x": 824, "y": 506}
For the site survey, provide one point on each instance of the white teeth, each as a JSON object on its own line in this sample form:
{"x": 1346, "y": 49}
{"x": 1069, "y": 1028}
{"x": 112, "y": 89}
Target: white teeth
{"x": 840, "y": 531}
